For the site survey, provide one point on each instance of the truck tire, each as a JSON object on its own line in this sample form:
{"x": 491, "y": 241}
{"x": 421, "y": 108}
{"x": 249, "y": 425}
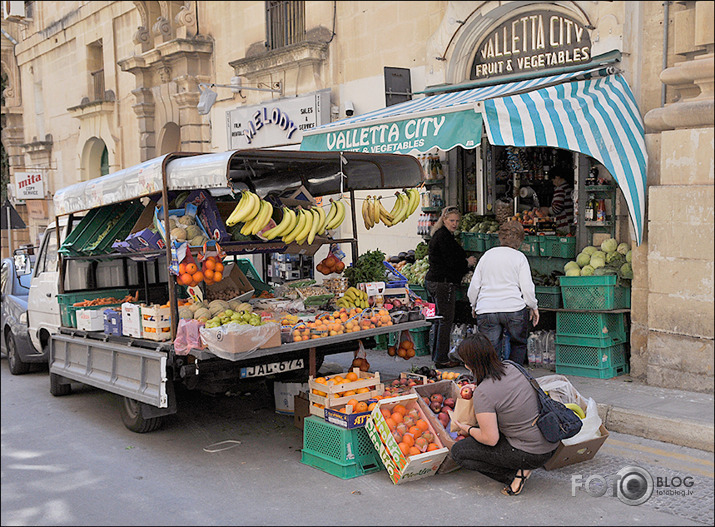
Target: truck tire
{"x": 57, "y": 388}
{"x": 14, "y": 362}
{"x": 131, "y": 413}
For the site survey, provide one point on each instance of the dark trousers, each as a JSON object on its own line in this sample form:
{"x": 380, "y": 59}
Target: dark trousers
{"x": 517, "y": 323}
{"x": 445, "y": 298}
{"x": 499, "y": 462}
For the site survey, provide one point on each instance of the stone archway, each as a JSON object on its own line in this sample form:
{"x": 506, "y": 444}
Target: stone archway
{"x": 92, "y": 153}
{"x": 169, "y": 139}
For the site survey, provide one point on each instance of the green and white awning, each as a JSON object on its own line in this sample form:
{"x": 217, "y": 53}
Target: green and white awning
{"x": 592, "y": 112}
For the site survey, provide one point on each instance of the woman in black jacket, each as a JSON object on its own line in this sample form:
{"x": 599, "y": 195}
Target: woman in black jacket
{"x": 448, "y": 263}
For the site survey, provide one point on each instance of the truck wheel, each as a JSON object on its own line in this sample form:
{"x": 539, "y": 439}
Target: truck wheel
{"x": 131, "y": 413}
{"x": 14, "y": 362}
{"x": 57, "y": 388}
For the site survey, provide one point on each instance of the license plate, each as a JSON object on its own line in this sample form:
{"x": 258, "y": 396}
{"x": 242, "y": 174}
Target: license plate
{"x": 274, "y": 367}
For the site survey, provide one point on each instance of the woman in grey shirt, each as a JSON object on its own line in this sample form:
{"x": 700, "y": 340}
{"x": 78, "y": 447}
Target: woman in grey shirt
{"x": 506, "y": 445}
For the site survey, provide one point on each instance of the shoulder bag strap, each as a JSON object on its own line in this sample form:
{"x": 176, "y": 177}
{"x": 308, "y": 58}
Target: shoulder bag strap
{"x": 526, "y": 374}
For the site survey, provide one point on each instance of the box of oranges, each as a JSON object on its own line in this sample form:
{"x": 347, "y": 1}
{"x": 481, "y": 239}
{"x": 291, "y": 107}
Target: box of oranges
{"x": 337, "y": 391}
{"x": 156, "y": 322}
{"x": 406, "y": 441}
{"x": 351, "y": 415}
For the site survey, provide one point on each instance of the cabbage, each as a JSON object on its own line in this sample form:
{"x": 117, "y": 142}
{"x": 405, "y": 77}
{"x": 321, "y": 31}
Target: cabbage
{"x": 587, "y": 270}
{"x": 615, "y": 259}
{"x": 597, "y": 261}
{"x": 571, "y": 265}
{"x": 629, "y": 256}
{"x": 623, "y": 248}
{"x": 589, "y": 250}
{"x": 626, "y": 271}
{"x": 583, "y": 259}
{"x": 573, "y": 272}
{"x": 609, "y": 246}
{"x": 599, "y": 254}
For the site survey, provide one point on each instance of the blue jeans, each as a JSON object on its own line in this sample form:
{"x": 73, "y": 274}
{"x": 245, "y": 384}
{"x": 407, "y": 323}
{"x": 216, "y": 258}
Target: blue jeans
{"x": 445, "y": 298}
{"x": 517, "y": 323}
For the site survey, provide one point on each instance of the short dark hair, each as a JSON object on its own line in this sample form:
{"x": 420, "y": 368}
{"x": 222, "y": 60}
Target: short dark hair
{"x": 480, "y": 357}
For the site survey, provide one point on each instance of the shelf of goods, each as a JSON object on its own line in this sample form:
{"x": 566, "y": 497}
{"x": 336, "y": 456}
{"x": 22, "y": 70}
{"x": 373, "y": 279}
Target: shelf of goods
{"x": 608, "y": 193}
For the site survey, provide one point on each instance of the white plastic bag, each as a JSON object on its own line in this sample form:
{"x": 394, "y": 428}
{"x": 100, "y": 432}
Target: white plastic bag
{"x": 591, "y": 424}
{"x": 234, "y": 341}
{"x": 560, "y": 389}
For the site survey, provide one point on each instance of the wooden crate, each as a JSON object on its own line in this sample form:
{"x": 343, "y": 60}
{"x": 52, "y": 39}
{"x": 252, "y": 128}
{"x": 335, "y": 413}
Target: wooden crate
{"x": 156, "y": 322}
{"x": 365, "y": 380}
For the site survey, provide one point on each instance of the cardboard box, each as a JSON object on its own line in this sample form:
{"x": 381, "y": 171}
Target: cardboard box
{"x": 112, "y": 321}
{"x": 571, "y": 454}
{"x": 402, "y": 468}
{"x": 208, "y": 216}
{"x": 301, "y": 409}
{"x": 131, "y": 320}
{"x": 190, "y": 208}
{"x": 274, "y": 341}
{"x": 284, "y": 394}
{"x": 142, "y": 238}
{"x": 347, "y": 420}
{"x": 234, "y": 278}
{"x": 447, "y": 388}
{"x": 90, "y": 319}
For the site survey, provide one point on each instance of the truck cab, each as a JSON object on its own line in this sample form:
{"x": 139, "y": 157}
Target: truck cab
{"x": 43, "y": 311}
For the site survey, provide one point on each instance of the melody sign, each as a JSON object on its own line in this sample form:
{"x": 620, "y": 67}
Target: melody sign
{"x": 532, "y": 41}
{"x": 29, "y": 185}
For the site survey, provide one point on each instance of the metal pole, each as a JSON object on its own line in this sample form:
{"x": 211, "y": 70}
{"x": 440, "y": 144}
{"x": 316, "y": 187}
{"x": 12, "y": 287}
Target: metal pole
{"x": 666, "y": 24}
{"x": 9, "y": 231}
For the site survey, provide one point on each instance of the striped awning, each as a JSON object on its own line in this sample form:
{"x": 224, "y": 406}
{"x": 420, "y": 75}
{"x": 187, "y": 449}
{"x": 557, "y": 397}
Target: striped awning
{"x": 597, "y": 117}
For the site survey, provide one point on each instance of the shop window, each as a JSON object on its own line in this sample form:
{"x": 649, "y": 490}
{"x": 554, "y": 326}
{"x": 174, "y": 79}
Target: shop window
{"x": 95, "y": 67}
{"x": 285, "y": 23}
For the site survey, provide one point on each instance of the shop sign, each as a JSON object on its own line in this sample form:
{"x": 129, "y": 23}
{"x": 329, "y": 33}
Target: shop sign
{"x": 533, "y": 41}
{"x": 278, "y": 122}
{"x": 29, "y": 185}
{"x": 443, "y": 131}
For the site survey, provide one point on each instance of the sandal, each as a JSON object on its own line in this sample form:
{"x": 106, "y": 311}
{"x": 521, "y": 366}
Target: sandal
{"x": 507, "y": 491}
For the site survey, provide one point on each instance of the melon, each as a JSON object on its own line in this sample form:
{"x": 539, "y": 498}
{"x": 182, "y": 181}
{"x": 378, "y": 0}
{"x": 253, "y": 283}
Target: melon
{"x": 202, "y": 312}
{"x": 192, "y": 231}
{"x": 187, "y": 220}
{"x": 178, "y": 234}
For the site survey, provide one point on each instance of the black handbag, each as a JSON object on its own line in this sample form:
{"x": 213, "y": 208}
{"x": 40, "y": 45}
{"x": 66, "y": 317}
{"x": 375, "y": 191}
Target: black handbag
{"x": 555, "y": 421}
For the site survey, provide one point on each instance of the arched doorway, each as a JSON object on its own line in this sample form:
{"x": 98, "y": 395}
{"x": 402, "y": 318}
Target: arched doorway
{"x": 169, "y": 139}
{"x": 95, "y": 159}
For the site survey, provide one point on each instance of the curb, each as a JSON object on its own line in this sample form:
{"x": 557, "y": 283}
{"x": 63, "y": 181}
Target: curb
{"x": 681, "y": 432}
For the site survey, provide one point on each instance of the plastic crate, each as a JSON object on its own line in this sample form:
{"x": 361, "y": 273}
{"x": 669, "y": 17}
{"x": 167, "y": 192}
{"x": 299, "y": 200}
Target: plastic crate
{"x": 119, "y": 231}
{"x": 88, "y": 227}
{"x": 530, "y": 245}
{"x": 590, "y": 329}
{"x": 559, "y": 246}
{"x": 599, "y": 362}
{"x": 345, "y": 453}
{"x": 471, "y": 242}
{"x": 421, "y": 339}
{"x": 420, "y": 291}
{"x": 67, "y": 246}
{"x": 491, "y": 240}
{"x": 594, "y": 293}
{"x": 254, "y": 278}
{"x": 68, "y": 312}
{"x": 401, "y": 280}
{"x": 548, "y": 296}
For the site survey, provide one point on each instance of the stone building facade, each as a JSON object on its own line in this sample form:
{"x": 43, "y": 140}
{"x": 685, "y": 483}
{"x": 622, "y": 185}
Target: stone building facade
{"x": 98, "y": 86}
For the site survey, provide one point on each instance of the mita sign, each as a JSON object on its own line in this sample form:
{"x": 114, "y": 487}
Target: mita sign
{"x": 532, "y": 41}
{"x": 29, "y": 185}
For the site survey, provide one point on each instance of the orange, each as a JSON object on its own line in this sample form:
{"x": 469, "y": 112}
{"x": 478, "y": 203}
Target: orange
{"x": 218, "y": 276}
{"x": 390, "y": 423}
{"x": 208, "y": 274}
{"x": 363, "y": 390}
{"x": 182, "y": 268}
{"x": 321, "y": 380}
{"x": 219, "y": 267}
{"x": 401, "y": 352}
{"x": 352, "y": 376}
{"x": 405, "y": 448}
{"x": 415, "y": 431}
{"x": 185, "y": 279}
{"x": 400, "y": 408}
{"x": 353, "y": 403}
{"x": 361, "y": 407}
{"x": 349, "y": 393}
{"x": 409, "y": 353}
{"x": 396, "y": 417}
{"x": 432, "y": 446}
{"x": 191, "y": 268}
{"x": 414, "y": 451}
{"x": 385, "y": 413}
{"x": 371, "y": 407}
{"x": 337, "y": 379}
{"x": 208, "y": 282}
{"x": 408, "y": 439}
{"x": 318, "y": 392}
{"x": 198, "y": 276}
{"x": 421, "y": 443}
{"x": 422, "y": 425}
{"x": 210, "y": 264}
{"x": 407, "y": 344}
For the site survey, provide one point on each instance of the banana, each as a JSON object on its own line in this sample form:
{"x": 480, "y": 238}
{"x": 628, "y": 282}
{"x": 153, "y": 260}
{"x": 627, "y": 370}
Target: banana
{"x": 263, "y": 218}
{"x": 406, "y": 210}
{"x": 366, "y": 213}
{"x": 414, "y": 200}
{"x": 250, "y": 224}
{"x": 576, "y": 409}
{"x": 252, "y": 208}
{"x": 288, "y": 238}
{"x": 331, "y": 214}
{"x": 339, "y": 217}
{"x": 237, "y": 211}
{"x": 385, "y": 216}
{"x": 323, "y": 219}
{"x": 275, "y": 231}
{"x": 316, "y": 224}
{"x": 303, "y": 234}
{"x": 398, "y": 209}
{"x": 376, "y": 210}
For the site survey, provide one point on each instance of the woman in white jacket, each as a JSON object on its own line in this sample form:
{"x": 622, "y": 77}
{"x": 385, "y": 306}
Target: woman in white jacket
{"x": 502, "y": 293}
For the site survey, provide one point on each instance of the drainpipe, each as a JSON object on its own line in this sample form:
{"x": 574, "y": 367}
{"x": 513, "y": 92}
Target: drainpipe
{"x": 666, "y": 24}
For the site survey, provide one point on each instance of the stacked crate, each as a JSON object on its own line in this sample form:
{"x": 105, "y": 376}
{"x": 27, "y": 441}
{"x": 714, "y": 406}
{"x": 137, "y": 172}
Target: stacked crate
{"x": 591, "y": 333}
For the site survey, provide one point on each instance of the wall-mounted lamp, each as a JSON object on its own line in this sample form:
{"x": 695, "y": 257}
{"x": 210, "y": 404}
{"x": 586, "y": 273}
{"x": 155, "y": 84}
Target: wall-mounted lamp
{"x": 208, "y": 96}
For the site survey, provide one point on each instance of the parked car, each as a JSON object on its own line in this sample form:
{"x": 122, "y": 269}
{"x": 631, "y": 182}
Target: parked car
{"x": 15, "y": 275}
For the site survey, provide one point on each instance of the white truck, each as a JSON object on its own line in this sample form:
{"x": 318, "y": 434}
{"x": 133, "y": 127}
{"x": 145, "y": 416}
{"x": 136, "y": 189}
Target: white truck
{"x": 142, "y": 371}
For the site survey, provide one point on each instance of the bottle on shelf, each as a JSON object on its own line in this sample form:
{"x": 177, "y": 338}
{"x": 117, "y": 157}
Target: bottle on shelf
{"x": 589, "y": 213}
{"x": 601, "y": 212}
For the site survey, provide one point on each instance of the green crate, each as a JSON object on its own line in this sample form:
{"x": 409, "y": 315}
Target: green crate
{"x": 420, "y": 291}
{"x": 121, "y": 229}
{"x": 530, "y": 245}
{"x": 470, "y": 242}
{"x": 382, "y": 341}
{"x": 68, "y": 312}
{"x": 421, "y": 338}
{"x": 591, "y": 329}
{"x": 594, "y": 293}
{"x": 90, "y": 226}
{"x": 345, "y": 453}
{"x": 548, "y": 296}
{"x": 253, "y": 276}
{"x": 600, "y": 362}
{"x": 68, "y": 246}
{"x": 559, "y": 246}
{"x": 491, "y": 240}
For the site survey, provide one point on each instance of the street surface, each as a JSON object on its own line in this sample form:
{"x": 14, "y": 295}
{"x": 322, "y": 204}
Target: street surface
{"x": 234, "y": 461}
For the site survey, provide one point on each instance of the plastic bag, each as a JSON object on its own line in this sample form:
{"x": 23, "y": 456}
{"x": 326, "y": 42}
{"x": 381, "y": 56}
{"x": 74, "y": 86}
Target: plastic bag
{"x": 233, "y": 341}
{"x": 590, "y": 425}
{"x": 188, "y": 336}
{"x": 560, "y": 389}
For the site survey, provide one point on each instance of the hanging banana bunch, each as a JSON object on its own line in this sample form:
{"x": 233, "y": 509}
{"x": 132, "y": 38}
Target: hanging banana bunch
{"x": 374, "y": 212}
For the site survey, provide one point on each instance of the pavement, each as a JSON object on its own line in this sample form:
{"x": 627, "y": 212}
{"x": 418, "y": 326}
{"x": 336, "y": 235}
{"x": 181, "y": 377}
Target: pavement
{"x": 625, "y": 405}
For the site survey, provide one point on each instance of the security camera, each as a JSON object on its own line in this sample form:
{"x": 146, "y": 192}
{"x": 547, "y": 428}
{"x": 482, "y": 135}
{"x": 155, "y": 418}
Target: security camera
{"x": 349, "y": 108}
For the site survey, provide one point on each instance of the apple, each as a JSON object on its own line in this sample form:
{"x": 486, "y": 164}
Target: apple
{"x": 437, "y": 397}
{"x": 449, "y": 402}
{"x": 436, "y": 407}
{"x": 466, "y": 392}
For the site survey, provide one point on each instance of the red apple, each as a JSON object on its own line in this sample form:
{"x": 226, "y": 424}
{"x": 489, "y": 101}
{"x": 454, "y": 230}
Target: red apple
{"x": 466, "y": 392}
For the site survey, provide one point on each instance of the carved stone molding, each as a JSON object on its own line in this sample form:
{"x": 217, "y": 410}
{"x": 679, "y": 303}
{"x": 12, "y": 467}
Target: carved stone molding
{"x": 293, "y": 56}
